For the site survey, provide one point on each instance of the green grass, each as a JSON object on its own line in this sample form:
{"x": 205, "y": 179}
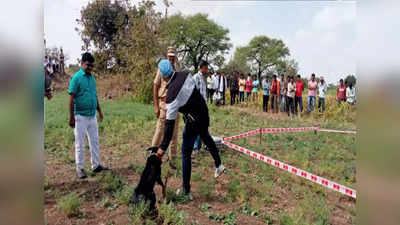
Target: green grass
{"x": 128, "y": 127}
{"x": 69, "y": 204}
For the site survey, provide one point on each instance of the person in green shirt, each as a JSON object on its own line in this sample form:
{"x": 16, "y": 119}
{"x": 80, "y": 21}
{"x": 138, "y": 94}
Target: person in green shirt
{"x": 83, "y": 103}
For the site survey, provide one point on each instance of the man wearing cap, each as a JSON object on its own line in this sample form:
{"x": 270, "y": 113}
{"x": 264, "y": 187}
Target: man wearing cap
{"x": 184, "y": 97}
{"x": 322, "y": 88}
{"x": 159, "y": 98}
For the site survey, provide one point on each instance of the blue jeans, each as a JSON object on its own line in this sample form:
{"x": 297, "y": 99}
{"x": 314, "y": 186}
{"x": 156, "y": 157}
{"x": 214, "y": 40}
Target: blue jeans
{"x": 298, "y": 101}
{"x": 190, "y": 133}
{"x": 311, "y": 103}
{"x": 197, "y": 144}
{"x": 241, "y": 96}
{"x": 248, "y": 96}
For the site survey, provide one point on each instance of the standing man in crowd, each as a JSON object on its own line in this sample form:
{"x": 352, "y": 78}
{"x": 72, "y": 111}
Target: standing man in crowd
{"x": 83, "y": 103}
{"x": 249, "y": 88}
{"x": 312, "y": 87}
{"x": 275, "y": 93}
{"x": 291, "y": 89}
{"x": 222, "y": 86}
{"x": 266, "y": 86}
{"x": 160, "y": 109}
{"x": 242, "y": 87}
{"x": 298, "y": 99}
{"x": 282, "y": 98}
{"x": 201, "y": 87}
{"x": 256, "y": 83}
{"x": 210, "y": 89}
{"x": 322, "y": 89}
{"x": 183, "y": 96}
{"x": 351, "y": 94}
{"x": 234, "y": 87}
{"x": 341, "y": 92}
{"x": 215, "y": 86}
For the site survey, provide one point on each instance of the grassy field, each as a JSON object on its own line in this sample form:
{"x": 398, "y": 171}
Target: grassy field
{"x": 251, "y": 192}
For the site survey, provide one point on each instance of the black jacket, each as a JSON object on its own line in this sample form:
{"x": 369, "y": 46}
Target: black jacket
{"x": 183, "y": 97}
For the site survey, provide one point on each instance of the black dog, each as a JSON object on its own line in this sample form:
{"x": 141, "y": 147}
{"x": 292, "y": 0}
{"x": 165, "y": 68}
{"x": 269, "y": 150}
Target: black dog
{"x": 150, "y": 175}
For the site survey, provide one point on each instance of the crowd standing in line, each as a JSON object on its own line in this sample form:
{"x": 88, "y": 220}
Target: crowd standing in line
{"x": 279, "y": 95}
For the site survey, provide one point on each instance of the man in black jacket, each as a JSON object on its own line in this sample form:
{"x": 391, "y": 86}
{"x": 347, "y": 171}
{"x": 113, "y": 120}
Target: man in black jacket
{"x": 184, "y": 97}
{"x": 234, "y": 87}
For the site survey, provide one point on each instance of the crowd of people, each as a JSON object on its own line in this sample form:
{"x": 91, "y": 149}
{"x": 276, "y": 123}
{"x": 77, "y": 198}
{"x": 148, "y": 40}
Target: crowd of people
{"x": 284, "y": 94}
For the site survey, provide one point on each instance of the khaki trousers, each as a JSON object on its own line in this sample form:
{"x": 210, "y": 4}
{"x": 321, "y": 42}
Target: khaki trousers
{"x": 159, "y": 133}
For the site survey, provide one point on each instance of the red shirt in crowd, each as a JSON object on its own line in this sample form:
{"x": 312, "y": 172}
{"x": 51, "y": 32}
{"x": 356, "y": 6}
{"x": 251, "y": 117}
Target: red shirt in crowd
{"x": 249, "y": 85}
{"x": 341, "y": 92}
{"x": 299, "y": 88}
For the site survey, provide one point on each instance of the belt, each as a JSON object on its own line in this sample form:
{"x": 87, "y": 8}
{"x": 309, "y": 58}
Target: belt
{"x": 163, "y": 99}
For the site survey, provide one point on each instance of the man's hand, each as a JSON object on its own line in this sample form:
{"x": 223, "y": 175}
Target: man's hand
{"x": 160, "y": 153}
{"x": 100, "y": 117}
{"x": 157, "y": 112}
{"x": 72, "y": 121}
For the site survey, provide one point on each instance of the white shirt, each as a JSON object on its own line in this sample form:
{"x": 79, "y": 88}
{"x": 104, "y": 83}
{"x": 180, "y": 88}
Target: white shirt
{"x": 350, "y": 95}
{"x": 215, "y": 81}
{"x": 322, "y": 88}
{"x": 222, "y": 81}
{"x": 210, "y": 82}
{"x": 291, "y": 89}
{"x": 200, "y": 84}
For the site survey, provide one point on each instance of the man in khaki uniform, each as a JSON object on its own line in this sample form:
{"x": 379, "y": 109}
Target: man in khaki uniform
{"x": 159, "y": 98}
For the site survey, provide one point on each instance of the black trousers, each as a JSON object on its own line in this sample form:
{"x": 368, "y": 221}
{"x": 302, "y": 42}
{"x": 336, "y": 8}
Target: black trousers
{"x": 190, "y": 133}
{"x": 210, "y": 93}
{"x": 234, "y": 94}
{"x": 265, "y": 103}
{"x": 290, "y": 105}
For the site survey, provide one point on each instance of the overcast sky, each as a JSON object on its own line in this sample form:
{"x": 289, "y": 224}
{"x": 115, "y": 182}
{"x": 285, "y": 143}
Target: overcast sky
{"x": 321, "y": 35}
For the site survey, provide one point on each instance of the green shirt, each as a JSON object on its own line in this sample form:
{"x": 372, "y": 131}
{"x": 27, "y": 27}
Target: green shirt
{"x": 83, "y": 87}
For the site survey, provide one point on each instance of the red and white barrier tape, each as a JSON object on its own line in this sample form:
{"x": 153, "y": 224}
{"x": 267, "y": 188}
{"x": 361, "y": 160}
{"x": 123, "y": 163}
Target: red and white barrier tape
{"x": 284, "y": 130}
{"x": 291, "y": 169}
{"x": 252, "y": 132}
{"x": 338, "y": 131}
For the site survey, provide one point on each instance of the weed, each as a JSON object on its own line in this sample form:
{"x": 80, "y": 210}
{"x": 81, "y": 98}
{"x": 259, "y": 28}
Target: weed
{"x": 196, "y": 176}
{"x": 69, "y": 204}
{"x": 205, "y": 207}
{"x": 138, "y": 212}
{"x": 123, "y": 196}
{"x": 168, "y": 214}
{"x": 171, "y": 196}
{"x": 247, "y": 210}
{"x": 268, "y": 220}
{"x": 112, "y": 183}
{"x": 233, "y": 190}
{"x": 285, "y": 219}
{"x": 206, "y": 188}
{"x": 228, "y": 219}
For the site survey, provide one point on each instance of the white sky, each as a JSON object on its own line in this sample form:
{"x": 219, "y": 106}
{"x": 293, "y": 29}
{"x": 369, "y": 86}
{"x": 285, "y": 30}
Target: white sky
{"x": 321, "y": 35}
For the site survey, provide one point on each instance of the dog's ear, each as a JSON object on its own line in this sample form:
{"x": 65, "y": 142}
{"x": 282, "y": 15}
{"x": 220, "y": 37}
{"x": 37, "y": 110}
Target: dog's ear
{"x": 152, "y": 149}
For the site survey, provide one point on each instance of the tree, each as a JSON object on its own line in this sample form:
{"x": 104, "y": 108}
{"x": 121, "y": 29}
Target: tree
{"x": 287, "y": 67}
{"x": 264, "y": 53}
{"x": 139, "y": 47}
{"x": 238, "y": 62}
{"x": 196, "y": 38}
{"x": 350, "y": 79}
{"x": 101, "y": 20}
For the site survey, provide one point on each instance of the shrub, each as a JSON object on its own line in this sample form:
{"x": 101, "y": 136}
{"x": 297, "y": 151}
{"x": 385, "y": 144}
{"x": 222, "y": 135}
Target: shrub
{"x": 69, "y": 204}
